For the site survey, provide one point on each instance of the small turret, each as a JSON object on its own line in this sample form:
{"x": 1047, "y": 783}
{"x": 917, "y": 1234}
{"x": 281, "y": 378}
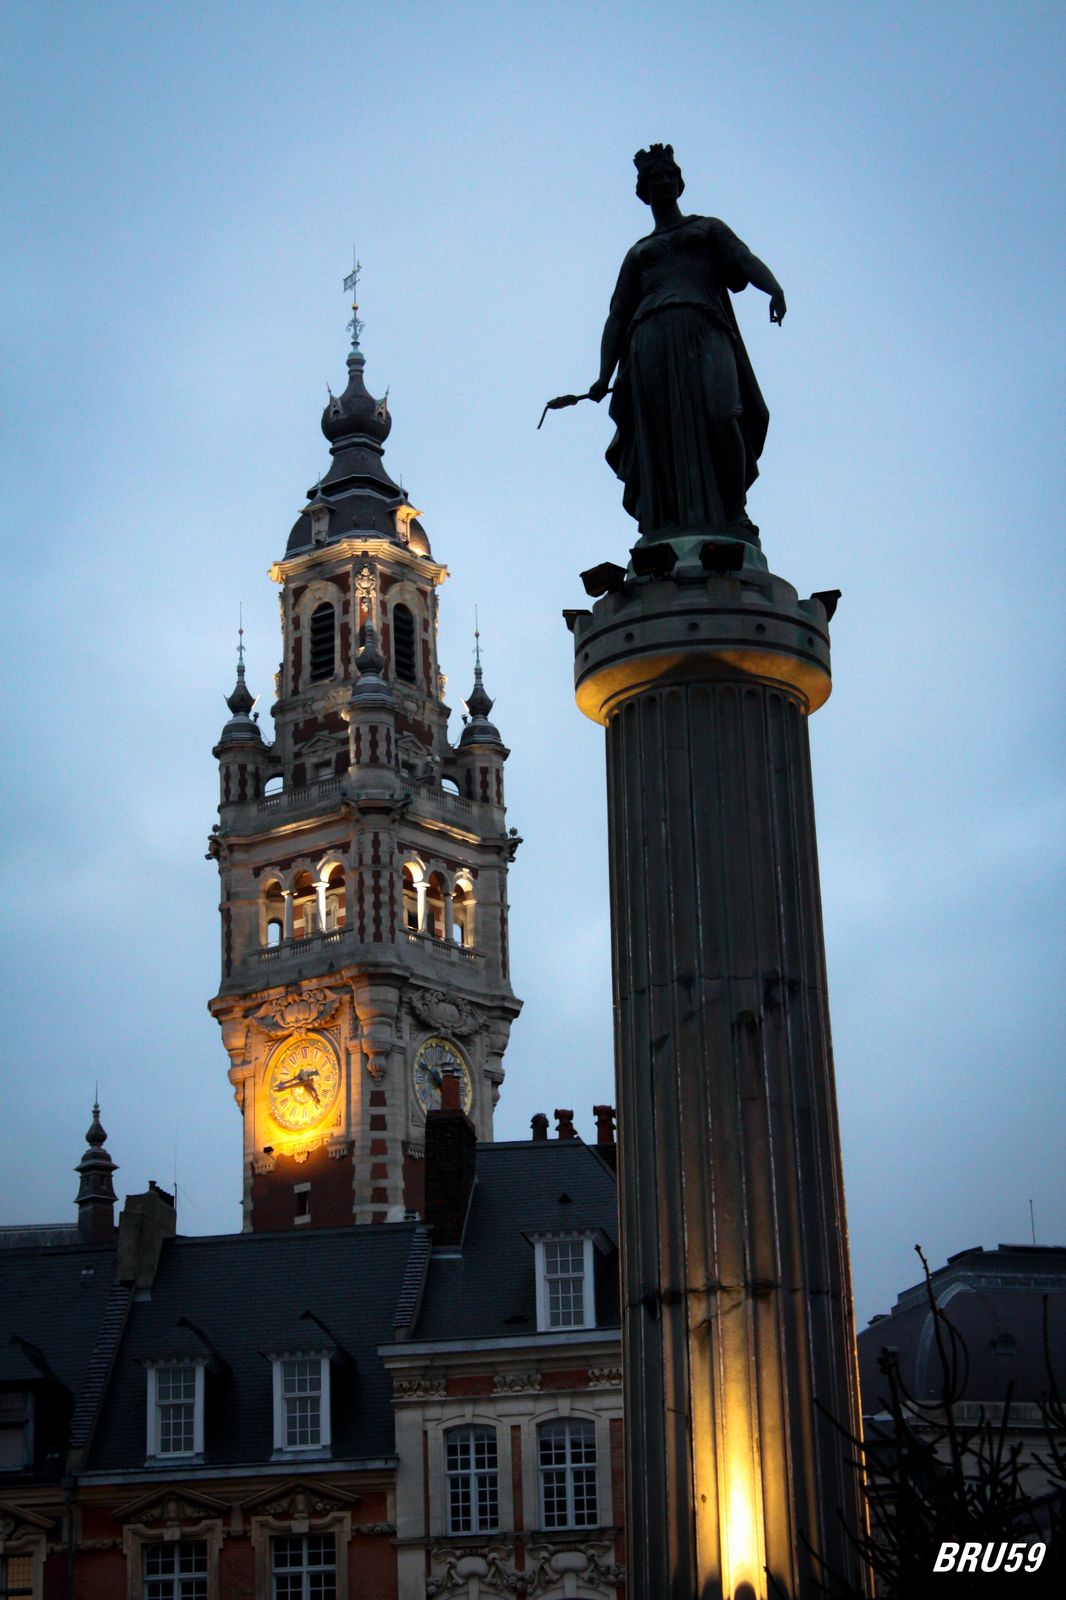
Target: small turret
{"x": 240, "y": 751}
{"x": 96, "y": 1192}
{"x": 482, "y": 752}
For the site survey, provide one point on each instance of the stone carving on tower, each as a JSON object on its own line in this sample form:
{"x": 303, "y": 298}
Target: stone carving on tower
{"x": 363, "y": 861}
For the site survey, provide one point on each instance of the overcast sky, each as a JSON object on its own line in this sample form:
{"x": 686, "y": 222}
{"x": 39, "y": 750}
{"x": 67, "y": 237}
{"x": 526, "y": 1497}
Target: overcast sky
{"x": 184, "y": 185}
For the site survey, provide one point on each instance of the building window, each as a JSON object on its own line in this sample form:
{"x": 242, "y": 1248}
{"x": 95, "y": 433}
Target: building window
{"x": 567, "y": 1452}
{"x": 334, "y": 899}
{"x": 16, "y": 1577}
{"x": 175, "y": 1571}
{"x": 301, "y": 1403}
{"x": 323, "y": 648}
{"x": 175, "y": 1410}
{"x": 272, "y": 914}
{"x": 565, "y": 1294}
{"x": 302, "y": 1193}
{"x": 16, "y": 1430}
{"x": 463, "y": 915}
{"x": 303, "y": 1566}
{"x": 434, "y": 915}
{"x": 472, "y": 1483}
{"x": 304, "y": 907}
{"x": 413, "y": 899}
{"x": 403, "y": 643}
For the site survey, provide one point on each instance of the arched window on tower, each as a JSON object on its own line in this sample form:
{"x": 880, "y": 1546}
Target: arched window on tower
{"x": 435, "y": 906}
{"x": 403, "y": 644}
{"x": 410, "y": 901}
{"x": 323, "y": 646}
{"x": 335, "y": 900}
{"x": 463, "y": 913}
{"x": 304, "y": 908}
{"x": 272, "y": 929}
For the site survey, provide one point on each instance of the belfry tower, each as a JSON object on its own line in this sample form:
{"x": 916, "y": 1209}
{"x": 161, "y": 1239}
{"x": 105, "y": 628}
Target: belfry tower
{"x": 362, "y": 860}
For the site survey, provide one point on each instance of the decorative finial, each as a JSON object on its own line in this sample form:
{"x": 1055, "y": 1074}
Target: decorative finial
{"x": 240, "y": 640}
{"x": 356, "y": 325}
{"x": 477, "y": 645}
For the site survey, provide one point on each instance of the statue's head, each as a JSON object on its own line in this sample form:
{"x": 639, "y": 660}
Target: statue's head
{"x": 658, "y": 158}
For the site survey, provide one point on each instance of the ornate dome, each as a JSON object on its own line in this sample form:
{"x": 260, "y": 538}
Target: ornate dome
{"x": 356, "y": 413}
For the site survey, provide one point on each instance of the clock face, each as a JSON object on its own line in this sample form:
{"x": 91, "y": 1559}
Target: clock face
{"x": 303, "y": 1079}
{"x": 433, "y": 1058}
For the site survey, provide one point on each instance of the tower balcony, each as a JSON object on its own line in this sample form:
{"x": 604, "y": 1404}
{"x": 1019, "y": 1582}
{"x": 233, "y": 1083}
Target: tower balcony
{"x": 326, "y": 795}
{"x": 291, "y": 960}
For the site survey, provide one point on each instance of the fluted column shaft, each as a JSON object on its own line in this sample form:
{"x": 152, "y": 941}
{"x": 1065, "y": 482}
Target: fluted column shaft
{"x": 738, "y": 1321}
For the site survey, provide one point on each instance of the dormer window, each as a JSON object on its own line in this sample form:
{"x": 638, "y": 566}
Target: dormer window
{"x": 323, "y": 646}
{"x": 175, "y": 1410}
{"x": 319, "y": 514}
{"x": 566, "y": 1296}
{"x": 16, "y": 1430}
{"x": 403, "y": 644}
{"x": 301, "y": 1403}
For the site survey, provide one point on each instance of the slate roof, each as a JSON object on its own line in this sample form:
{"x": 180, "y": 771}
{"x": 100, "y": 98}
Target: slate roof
{"x": 53, "y": 1297}
{"x": 246, "y": 1294}
{"x": 533, "y": 1186}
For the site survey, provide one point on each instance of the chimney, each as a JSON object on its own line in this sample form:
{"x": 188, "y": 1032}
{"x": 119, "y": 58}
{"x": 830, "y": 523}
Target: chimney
{"x": 565, "y": 1120}
{"x": 605, "y": 1141}
{"x": 539, "y": 1123}
{"x": 147, "y": 1221}
{"x": 451, "y": 1154}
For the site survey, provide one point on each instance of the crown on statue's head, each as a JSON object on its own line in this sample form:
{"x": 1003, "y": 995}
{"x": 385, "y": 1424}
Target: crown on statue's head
{"x": 656, "y": 155}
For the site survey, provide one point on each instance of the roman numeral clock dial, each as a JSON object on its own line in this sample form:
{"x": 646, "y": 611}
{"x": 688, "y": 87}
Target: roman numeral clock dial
{"x": 433, "y": 1058}
{"x": 303, "y": 1079}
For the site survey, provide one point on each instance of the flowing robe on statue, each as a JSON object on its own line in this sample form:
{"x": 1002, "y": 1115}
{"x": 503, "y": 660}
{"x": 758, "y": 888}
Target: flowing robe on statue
{"x": 683, "y": 369}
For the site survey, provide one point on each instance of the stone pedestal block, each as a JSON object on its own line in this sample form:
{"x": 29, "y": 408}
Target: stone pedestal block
{"x": 738, "y": 1328}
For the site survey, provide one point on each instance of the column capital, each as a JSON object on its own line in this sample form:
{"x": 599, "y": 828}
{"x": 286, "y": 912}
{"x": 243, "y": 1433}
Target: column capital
{"x": 655, "y": 629}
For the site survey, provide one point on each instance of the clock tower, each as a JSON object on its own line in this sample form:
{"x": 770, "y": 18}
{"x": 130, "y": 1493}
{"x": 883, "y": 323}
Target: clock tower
{"x": 362, "y": 860}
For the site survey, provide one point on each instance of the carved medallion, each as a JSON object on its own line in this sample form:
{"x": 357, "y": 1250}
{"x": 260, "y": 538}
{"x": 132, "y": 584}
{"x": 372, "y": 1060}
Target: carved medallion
{"x": 446, "y": 1011}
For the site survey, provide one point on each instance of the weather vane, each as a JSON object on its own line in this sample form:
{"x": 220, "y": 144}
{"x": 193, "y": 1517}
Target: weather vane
{"x": 352, "y": 282}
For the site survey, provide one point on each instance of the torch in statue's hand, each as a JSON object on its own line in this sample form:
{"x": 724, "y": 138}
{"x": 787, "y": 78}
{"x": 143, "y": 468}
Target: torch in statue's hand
{"x": 597, "y": 392}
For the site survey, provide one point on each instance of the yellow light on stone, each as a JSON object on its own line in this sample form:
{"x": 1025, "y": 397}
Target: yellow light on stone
{"x": 741, "y": 1537}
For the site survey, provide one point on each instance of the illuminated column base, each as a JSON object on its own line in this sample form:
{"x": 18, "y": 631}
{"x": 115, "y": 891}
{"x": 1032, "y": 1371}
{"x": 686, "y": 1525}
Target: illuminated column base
{"x": 738, "y": 1321}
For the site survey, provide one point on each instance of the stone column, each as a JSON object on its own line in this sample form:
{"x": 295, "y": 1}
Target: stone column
{"x": 736, "y": 1281}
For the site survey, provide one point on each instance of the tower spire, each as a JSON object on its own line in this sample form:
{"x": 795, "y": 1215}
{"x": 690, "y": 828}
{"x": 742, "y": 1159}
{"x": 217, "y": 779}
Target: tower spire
{"x": 479, "y": 729}
{"x": 351, "y": 282}
{"x": 241, "y": 702}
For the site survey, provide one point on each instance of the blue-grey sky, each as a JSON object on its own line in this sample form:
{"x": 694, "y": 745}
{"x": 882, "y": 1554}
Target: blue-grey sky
{"x": 184, "y": 184}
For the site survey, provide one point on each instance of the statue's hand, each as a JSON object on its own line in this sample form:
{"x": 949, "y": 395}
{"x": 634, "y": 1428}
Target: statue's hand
{"x": 777, "y": 306}
{"x": 598, "y": 389}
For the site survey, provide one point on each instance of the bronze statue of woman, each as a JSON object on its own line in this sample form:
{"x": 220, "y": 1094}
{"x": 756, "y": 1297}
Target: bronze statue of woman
{"x": 689, "y": 417}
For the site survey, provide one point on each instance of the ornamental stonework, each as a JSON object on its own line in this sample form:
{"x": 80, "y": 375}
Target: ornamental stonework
{"x": 445, "y": 1011}
{"x": 419, "y": 1388}
{"x": 298, "y": 1008}
{"x": 547, "y": 1568}
{"x": 516, "y": 1382}
{"x": 605, "y": 1377}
